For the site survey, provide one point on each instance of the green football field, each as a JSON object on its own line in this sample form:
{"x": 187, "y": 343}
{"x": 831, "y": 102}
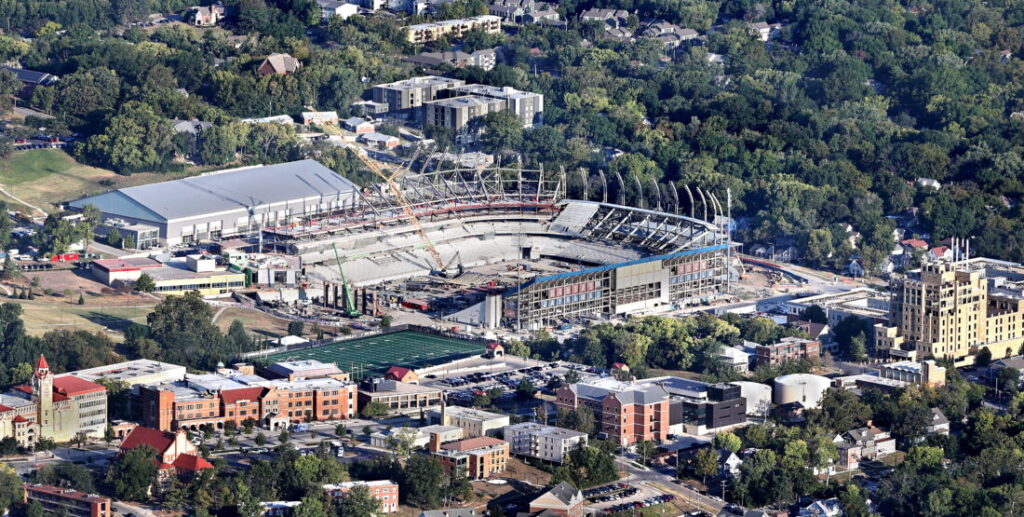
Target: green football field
{"x": 373, "y": 355}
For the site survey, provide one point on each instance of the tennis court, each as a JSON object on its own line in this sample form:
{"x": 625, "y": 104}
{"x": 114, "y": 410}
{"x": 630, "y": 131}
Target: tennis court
{"x": 373, "y": 355}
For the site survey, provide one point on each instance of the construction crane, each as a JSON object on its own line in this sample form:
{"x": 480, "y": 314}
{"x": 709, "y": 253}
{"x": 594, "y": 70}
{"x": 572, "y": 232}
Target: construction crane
{"x": 350, "y": 303}
{"x": 406, "y": 207}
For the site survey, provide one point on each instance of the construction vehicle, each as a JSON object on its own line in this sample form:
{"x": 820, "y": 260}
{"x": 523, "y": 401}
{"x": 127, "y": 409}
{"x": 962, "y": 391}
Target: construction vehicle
{"x": 350, "y": 302}
{"x": 406, "y": 207}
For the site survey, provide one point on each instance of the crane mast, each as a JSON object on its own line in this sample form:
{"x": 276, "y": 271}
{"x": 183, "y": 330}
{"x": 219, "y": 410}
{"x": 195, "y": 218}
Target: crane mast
{"x": 406, "y": 207}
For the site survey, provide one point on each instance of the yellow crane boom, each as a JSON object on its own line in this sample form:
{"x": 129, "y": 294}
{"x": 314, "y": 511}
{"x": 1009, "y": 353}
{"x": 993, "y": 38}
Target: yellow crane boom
{"x": 404, "y": 203}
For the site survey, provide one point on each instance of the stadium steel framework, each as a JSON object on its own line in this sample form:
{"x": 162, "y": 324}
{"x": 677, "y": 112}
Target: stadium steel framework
{"x": 683, "y": 252}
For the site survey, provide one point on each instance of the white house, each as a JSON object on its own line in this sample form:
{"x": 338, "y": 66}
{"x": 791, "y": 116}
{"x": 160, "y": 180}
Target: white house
{"x": 822, "y": 508}
{"x": 343, "y": 10}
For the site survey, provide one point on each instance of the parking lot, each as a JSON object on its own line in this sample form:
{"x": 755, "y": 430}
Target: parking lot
{"x": 461, "y": 388}
{"x": 624, "y": 497}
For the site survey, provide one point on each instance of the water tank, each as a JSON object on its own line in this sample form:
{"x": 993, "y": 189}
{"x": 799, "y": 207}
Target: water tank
{"x": 757, "y": 395}
{"x": 805, "y": 388}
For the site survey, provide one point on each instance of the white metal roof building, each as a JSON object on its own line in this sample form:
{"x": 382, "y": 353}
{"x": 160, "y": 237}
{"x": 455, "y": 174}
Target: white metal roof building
{"x": 230, "y": 202}
{"x": 139, "y": 371}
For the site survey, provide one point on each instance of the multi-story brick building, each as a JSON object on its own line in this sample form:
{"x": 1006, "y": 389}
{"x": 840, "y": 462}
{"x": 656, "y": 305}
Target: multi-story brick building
{"x": 475, "y": 458}
{"x": 787, "y": 349}
{"x": 625, "y": 413}
{"x": 215, "y": 399}
{"x": 65, "y": 501}
{"x": 385, "y": 491}
{"x": 649, "y": 410}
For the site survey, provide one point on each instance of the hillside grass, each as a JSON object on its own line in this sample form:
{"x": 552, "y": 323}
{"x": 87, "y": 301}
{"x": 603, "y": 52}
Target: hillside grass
{"x": 46, "y": 178}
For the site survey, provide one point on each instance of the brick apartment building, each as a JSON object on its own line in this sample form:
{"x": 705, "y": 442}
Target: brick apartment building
{"x": 216, "y": 399}
{"x": 627, "y": 416}
{"x": 651, "y": 409}
{"x": 476, "y": 458}
{"x": 385, "y": 491}
{"x": 788, "y": 349}
{"x": 58, "y": 500}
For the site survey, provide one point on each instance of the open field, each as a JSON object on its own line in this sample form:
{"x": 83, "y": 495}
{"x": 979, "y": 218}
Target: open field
{"x": 375, "y": 354}
{"x": 255, "y": 321}
{"x": 42, "y": 316}
{"x": 46, "y": 177}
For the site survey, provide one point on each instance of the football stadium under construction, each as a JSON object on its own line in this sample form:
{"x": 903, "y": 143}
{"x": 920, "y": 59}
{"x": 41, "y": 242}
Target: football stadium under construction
{"x": 560, "y": 259}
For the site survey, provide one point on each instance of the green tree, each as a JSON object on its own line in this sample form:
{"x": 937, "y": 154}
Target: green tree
{"x": 145, "y": 284}
{"x": 295, "y": 328}
{"x": 525, "y": 388}
{"x": 359, "y": 502}
{"x": 248, "y": 505}
{"x": 1008, "y": 381}
{"x": 135, "y": 139}
{"x": 646, "y": 450}
{"x": 34, "y": 509}
{"x": 114, "y": 237}
{"x": 854, "y": 502}
{"x": 91, "y": 218}
{"x": 983, "y": 358}
{"x": 312, "y": 506}
{"x": 705, "y": 463}
{"x": 133, "y": 473}
{"x": 421, "y": 477}
{"x": 502, "y": 131}
{"x": 814, "y": 314}
{"x": 518, "y": 348}
{"x": 374, "y": 410}
{"x": 727, "y": 441}
{"x": 174, "y": 495}
{"x": 818, "y": 250}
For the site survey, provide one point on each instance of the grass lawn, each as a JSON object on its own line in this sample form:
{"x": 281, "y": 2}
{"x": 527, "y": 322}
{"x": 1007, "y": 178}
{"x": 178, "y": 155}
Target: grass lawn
{"x": 41, "y": 318}
{"x": 47, "y": 177}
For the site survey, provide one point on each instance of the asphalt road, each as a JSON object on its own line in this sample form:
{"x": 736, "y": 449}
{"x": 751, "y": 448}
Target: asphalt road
{"x": 667, "y": 483}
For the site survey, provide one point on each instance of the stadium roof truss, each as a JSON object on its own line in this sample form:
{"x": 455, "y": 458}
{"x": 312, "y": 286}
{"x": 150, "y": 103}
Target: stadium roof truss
{"x": 657, "y": 232}
{"x": 493, "y": 186}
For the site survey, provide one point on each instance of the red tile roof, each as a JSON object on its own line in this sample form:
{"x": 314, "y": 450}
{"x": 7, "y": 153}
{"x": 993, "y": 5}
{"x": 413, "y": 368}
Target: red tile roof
{"x": 472, "y": 443}
{"x": 397, "y": 372}
{"x": 20, "y": 418}
{"x": 191, "y": 463}
{"x": 915, "y": 243}
{"x": 41, "y": 363}
{"x": 69, "y": 385}
{"x": 4, "y": 409}
{"x": 140, "y": 436}
{"x": 233, "y": 396}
